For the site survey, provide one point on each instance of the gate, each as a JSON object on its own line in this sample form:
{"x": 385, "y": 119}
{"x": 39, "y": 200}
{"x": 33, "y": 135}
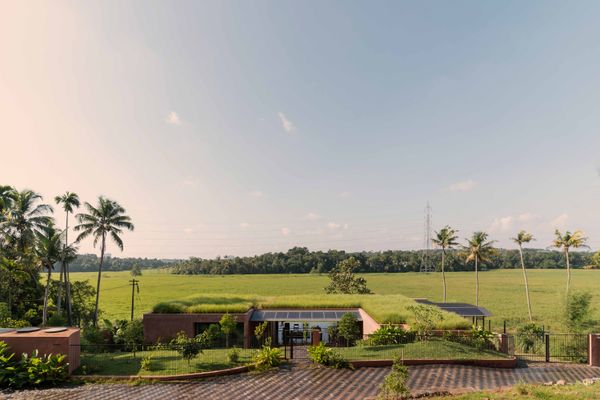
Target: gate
{"x": 295, "y": 343}
{"x": 552, "y": 347}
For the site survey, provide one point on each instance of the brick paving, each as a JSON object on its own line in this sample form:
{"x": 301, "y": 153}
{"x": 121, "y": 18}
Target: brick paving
{"x": 300, "y": 381}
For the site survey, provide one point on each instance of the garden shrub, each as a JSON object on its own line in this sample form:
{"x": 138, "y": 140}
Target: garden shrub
{"x": 146, "y": 363}
{"x": 31, "y": 370}
{"x": 326, "y": 356}
{"x": 267, "y": 358}
{"x": 394, "y": 384}
{"x": 233, "y": 355}
{"x": 187, "y": 347}
{"x": 130, "y": 334}
{"x": 168, "y": 308}
{"x": 578, "y": 312}
{"x": 389, "y": 334}
{"x": 426, "y": 318}
{"x": 481, "y": 338}
{"x": 530, "y": 338}
{"x": 212, "y": 336}
{"x": 348, "y": 328}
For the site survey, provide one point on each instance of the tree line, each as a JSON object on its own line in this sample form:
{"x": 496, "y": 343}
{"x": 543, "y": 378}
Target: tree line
{"x": 89, "y": 263}
{"x": 300, "y": 260}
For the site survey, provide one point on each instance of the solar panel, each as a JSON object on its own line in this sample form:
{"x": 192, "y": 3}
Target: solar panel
{"x": 281, "y": 315}
{"x": 293, "y": 315}
{"x": 269, "y": 315}
{"x": 305, "y": 315}
{"x": 318, "y": 315}
{"x": 329, "y": 314}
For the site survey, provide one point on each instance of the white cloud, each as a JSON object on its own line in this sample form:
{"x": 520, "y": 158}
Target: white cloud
{"x": 286, "y": 123}
{"x": 255, "y": 193}
{"x": 285, "y": 231}
{"x": 344, "y": 195}
{"x": 527, "y": 217}
{"x": 244, "y": 225}
{"x": 560, "y": 221}
{"x": 462, "y": 186}
{"x": 173, "y": 118}
{"x": 502, "y": 224}
{"x": 333, "y": 225}
{"x": 188, "y": 230}
{"x": 311, "y": 216}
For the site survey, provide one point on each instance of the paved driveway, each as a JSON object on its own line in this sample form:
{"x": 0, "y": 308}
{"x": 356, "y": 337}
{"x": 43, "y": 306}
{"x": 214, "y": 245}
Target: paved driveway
{"x": 307, "y": 382}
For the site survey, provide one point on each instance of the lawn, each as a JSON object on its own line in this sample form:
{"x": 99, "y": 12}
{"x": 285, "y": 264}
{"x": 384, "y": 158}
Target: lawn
{"x": 501, "y": 291}
{"x": 436, "y": 349}
{"x": 163, "y": 362}
{"x": 522, "y": 392}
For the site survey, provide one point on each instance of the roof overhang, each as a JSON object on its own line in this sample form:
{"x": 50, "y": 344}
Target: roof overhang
{"x": 304, "y": 315}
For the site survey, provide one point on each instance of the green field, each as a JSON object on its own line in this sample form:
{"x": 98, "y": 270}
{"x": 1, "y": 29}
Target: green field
{"x": 501, "y": 291}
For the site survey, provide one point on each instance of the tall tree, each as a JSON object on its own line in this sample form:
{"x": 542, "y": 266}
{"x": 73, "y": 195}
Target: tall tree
{"x": 521, "y": 238}
{"x": 48, "y": 252}
{"x": 479, "y": 249}
{"x": 565, "y": 243}
{"x": 69, "y": 202}
{"x": 446, "y": 238}
{"x": 26, "y": 216}
{"x": 106, "y": 219}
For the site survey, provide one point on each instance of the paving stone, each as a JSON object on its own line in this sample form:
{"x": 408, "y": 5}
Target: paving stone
{"x": 301, "y": 381}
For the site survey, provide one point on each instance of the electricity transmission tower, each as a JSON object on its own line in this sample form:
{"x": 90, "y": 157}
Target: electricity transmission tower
{"x": 426, "y": 255}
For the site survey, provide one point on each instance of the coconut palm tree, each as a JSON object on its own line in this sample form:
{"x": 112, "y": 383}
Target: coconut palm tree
{"x": 445, "y": 239}
{"x": 524, "y": 237}
{"x": 48, "y": 251}
{"x": 69, "y": 201}
{"x": 479, "y": 249}
{"x": 26, "y": 216}
{"x": 106, "y": 219}
{"x": 565, "y": 243}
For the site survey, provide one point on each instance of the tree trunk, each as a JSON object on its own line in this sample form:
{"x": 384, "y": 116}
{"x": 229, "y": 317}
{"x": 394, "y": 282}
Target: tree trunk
{"x": 99, "y": 277}
{"x": 62, "y": 275}
{"x": 568, "y": 271}
{"x": 476, "y": 283}
{"x": 526, "y": 283}
{"x": 444, "y": 274}
{"x": 45, "y": 309}
{"x": 68, "y": 296}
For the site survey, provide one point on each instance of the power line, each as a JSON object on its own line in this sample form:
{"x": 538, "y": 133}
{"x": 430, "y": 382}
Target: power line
{"x": 426, "y": 262}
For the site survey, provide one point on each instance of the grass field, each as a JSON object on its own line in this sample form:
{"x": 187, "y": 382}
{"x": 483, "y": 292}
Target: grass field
{"x": 539, "y": 392}
{"x": 500, "y": 291}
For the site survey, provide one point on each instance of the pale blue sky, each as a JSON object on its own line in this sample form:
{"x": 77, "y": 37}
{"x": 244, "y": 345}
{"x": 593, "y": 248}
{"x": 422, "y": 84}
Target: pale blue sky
{"x": 244, "y": 127}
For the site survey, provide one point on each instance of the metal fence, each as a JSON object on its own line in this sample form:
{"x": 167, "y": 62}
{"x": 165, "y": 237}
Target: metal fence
{"x": 162, "y": 359}
{"x": 449, "y": 346}
{"x": 551, "y": 347}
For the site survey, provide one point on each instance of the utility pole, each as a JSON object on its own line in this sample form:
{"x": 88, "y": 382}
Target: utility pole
{"x": 134, "y": 284}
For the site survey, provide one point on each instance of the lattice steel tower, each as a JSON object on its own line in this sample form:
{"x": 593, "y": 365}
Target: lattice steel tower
{"x": 427, "y": 256}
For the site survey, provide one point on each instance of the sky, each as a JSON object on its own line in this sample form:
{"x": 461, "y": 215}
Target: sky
{"x": 237, "y": 128}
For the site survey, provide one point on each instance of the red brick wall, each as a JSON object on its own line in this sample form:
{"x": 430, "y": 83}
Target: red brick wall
{"x": 166, "y": 326}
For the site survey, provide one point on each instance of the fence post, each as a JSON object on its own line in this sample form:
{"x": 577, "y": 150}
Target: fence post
{"x": 504, "y": 326}
{"x": 594, "y": 350}
{"x": 291, "y": 347}
{"x": 547, "y": 340}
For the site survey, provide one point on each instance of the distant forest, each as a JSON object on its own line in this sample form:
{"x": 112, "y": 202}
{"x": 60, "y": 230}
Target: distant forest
{"x": 89, "y": 263}
{"x": 302, "y": 260}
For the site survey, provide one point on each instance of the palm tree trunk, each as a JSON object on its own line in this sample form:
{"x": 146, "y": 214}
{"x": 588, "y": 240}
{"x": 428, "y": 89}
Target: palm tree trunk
{"x": 99, "y": 277}
{"x": 568, "y": 271}
{"x": 526, "y": 283}
{"x": 68, "y": 295}
{"x": 46, "y": 291}
{"x": 476, "y": 283}
{"x": 444, "y": 274}
{"x": 59, "y": 288}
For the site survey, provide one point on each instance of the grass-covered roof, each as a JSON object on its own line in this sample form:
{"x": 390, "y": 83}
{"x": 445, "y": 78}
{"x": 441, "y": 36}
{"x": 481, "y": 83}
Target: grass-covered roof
{"x": 383, "y": 308}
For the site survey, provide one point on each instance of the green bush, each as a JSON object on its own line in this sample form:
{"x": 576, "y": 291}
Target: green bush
{"x": 146, "y": 363}
{"x": 482, "y": 339}
{"x": 267, "y": 358}
{"x": 57, "y": 320}
{"x": 168, "y": 308}
{"x": 389, "y": 334}
{"x": 326, "y": 356}
{"x": 31, "y": 370}
{"x": 394, "y": 384}
{"x": 233, "y": 355}
{"x": 530, "y": 337}
{"x": 130, "y": 334}
{"x": 187, "y": 347}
